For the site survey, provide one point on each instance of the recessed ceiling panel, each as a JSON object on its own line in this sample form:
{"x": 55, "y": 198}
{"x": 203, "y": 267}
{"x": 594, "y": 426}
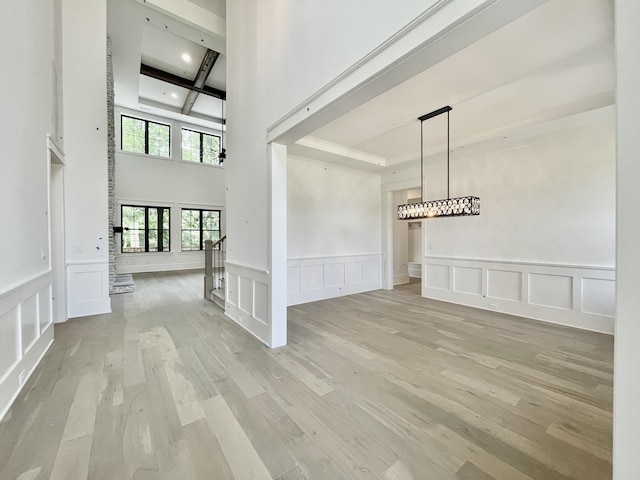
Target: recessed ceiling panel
{"x": 161, "y": 92}
{"x": 168, "y": 52}
{"x": 209, "y": 106}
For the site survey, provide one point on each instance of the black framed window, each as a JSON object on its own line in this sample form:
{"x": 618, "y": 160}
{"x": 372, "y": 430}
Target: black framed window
{"x": 200, "y": 147}
{"x": 145, "y": 229}
{"x": 144, "y": 136}
{"x": 198, "y": 226}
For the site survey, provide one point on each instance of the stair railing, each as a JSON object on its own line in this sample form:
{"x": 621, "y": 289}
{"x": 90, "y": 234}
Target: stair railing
{"x": 214, "y": 268}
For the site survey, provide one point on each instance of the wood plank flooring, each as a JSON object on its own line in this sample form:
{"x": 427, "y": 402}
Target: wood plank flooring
{"x": 382, "y": 385}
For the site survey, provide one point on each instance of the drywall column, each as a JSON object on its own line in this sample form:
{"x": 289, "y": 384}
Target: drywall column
{"x": 626, "y": 411}
{"x": 84, "y": 37}
{"x": 278, "y": 241}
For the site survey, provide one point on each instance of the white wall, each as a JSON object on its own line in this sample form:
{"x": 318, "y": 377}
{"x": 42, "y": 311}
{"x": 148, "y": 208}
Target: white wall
{"x": 166, "y": 182}
{"x": 400, "y": 242}
{"x": 264, "y": 41}
{"x": 85, "y": 128}
{"x": 333, "y": 231}
{"x": 27, "y": 34}
{"x": 543, "y": 244}
{"x": 626, "y": 395}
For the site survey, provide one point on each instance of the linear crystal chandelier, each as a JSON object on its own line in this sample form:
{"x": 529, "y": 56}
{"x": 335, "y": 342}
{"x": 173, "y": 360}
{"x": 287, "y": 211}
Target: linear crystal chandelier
{"x": 448, "y": 207}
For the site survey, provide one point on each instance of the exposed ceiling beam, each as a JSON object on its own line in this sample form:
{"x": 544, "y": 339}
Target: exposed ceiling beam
{"x": 207, "y": 64}
{"x": 180, "y": 82}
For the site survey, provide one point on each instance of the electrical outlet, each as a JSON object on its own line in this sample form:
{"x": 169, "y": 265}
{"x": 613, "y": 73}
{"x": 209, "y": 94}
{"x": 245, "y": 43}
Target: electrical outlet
{"x": 493, "y": 306}
{"x": 43, "y": 253}
{"x": 22, "y": 376}
{"x": 77, "y": 249}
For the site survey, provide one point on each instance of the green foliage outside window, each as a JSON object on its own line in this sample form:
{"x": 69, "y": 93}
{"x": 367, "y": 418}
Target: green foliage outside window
{"x": 200, "y": 147}
{"x": 145, "y": 229}
{"x": 144, "y": 136}
{"x": 198, "y": 226}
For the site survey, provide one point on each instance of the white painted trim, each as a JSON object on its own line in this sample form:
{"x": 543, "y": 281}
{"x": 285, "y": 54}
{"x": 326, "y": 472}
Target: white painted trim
{"x": 57, "y": 152}
{"x": 526, "y": 290}
{"x": 87, "y": 262}
{"x": 18, "y": 292}
{"x": 247, "y": 300}
{"x": 247, "y": 267}
{"x": 444, "y": 28}
{"x": 27, "y": 356}
{"x": 513, "y": 262}
{"x": 321, "y": 278}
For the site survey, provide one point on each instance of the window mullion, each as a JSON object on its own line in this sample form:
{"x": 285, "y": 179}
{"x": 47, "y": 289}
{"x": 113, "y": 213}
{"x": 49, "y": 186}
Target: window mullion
{"x": 201, "y": 148}
{"x": 146, "y": 137}
{"x": 201, "y": 234}
{"x": 146, "y": 229}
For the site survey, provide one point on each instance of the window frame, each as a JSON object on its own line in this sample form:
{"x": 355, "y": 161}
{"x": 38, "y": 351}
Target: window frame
{"x": 146, "y": 135}
{"x": 200, "y": 224}
{"x": 159, "y": 228}
{"x": 201, "y": 135}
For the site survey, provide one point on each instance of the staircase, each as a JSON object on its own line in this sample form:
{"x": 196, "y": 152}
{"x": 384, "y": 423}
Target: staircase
{"x": 214, "y": 272}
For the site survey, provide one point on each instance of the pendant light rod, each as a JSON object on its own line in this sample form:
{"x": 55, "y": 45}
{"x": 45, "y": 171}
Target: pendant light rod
{"x": 448, "y": 150}
{"x": 424, "y": 117}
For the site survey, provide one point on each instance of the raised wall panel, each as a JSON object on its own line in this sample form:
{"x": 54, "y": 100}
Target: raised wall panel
{"x": 599, "y": 296}
{"x": 551, "y": 290}
{"x": 370, "y": 270}
{"x": 467, "y": 280}
{"x": 44, "y": 306}
{"x": 334, "y": 274}
{"x": 248, "y": 302}
{"x": 29, "y": 321}
{"x": 232, "y": 289}
{"x": 503, "y": 284}
{"x": 22, "y": 341}
{"x": 312, "y": 277}
{"x": 354, "y": 274}
{"x": 88, "y": 289}
{"x": 573, "y": 295}
{"x": 437, "y": 276}
{"x": 293, "y": 279}
{"x": 9, "y": 337}
{"x": 246, "y": 295}
{"x": 261, "y": 306}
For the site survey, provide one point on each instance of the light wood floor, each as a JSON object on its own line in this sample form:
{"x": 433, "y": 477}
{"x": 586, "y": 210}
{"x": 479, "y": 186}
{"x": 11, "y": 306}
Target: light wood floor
{"x": 382, "y": 385}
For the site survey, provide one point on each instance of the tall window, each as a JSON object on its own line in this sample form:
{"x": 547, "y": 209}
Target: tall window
{"x": 145, "y": 229}
{"x": 198, "y": 226}
{"x": 200, "y": 147}
{"x": 145, "y": 136}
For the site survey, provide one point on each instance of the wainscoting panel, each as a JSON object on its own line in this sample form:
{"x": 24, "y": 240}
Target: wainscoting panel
{"x": 598, "y": 296}
{"x": 551, "y": 290}
{"x": 26, "y": 332}
{"x": 247, "y": 301}
{"x": 573, "y": 295}
{"x": 438, "y": 276}
{"x": 504, "y": 285}
{"x": 467, "y": 280}
{"x": 319, "y": 278}
{"x": 88, "y": 288}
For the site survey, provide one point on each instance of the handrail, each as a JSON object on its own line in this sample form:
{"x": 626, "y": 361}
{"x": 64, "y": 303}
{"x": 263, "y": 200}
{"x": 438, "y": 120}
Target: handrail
{"x": 219, "y": 241}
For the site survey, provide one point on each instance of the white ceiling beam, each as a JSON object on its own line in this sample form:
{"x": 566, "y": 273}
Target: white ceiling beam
{"x": 191, "y": 14}
{"x": 341, "y": 151}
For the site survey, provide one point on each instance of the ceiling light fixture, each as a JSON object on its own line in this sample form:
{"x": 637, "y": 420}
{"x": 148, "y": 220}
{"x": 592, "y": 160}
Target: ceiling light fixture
{"x": 448, "y": 207}
{"x": 222, "y": 155}
{"x": 186, "y": 57}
